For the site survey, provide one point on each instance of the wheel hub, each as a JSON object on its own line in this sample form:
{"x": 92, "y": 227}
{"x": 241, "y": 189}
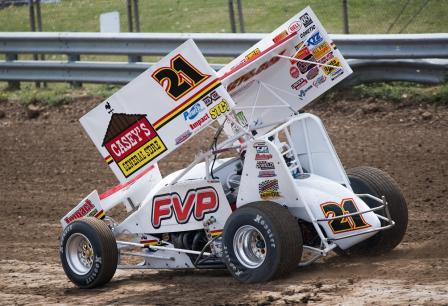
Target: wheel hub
{"x": 249, "y": 246}
{"x": 79, "y": 254}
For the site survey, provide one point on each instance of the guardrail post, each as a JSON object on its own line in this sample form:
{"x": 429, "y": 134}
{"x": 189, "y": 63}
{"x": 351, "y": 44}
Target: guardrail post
{"x": 74, "y": 58}
{"x": 133, "y": 12}
{"x": 345, "y": 16}
{"x": 12, "y": 85}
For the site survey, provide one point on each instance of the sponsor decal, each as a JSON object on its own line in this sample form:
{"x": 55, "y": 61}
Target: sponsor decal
{"x": 334, "y": 62}
{"x": 294, "y": 27}
{"x": 336, "y": 74}
{"x": 86, "y": 209}
{"x": 210, "y": 98}
{"x": 319, "y": 80}
{"x": 219, "y": 109}
{"x": 182, "y": 137}
{"x": 315, "y": 39}
{"x": 305, "y": 54}
{"x": 262, "y": 149}
{"x": 247, "y": 76}
{"x": 144, "y": 240}
{"x": 253, "y": 54}
{"x": 308, "y": 31}
{"x": 326, "y": 58}
{"x": 207, "y": 89}
{"x": 299, "y": 46}
{"x": 303, "y": 92}
{"x": 280, "y": 36}
{"x": 241, "y": 118}
{"x": 306, "y": 20}
{"x": 196, "y": 203}
{"x": 305, "y": 67}
{"x": 132, "y": 142}
{"x": 299, "y": 84}
{"x": 216, "y": 233}
{"x": 294, "y": 72}
{"x": 266, "y": 173}
{"x": 262, "y": 156}
{"x": 259, "y": 143}
{"x": 312, "y": 73}
{"x": 333, "y": 45}
{"x": 321, "y": 50}
{"x": 265, "y": 165}
{"x": 199, "y": 122}
{"x": 269, "y": 189}
{"x": 301, "y": 54}
{"x": 193, "y": 111}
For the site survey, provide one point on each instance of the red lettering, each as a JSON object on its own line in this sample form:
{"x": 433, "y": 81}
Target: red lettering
{"x": 183, "y": 211}
{"x": 247, "y": 76}
{"x": 81, "y": 212}
{"x": 199, "y": 201}
{"x": 160, "y": 211}
{"x": 206, "y": 201}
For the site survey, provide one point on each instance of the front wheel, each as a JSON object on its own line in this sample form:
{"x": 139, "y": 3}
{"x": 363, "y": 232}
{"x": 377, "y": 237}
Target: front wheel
{"x": 262, "y": 241}
{"x": 88, "y": 252}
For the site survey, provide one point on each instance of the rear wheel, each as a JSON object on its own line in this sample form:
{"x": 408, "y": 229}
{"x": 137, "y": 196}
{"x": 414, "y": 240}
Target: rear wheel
{"x": 88, "y": 252}
{"x": 262, "y": 241}
{"x": 378, "y": 183}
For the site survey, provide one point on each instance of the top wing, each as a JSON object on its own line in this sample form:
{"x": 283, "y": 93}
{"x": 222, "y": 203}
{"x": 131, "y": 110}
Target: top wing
{"x": 283, "y": 72}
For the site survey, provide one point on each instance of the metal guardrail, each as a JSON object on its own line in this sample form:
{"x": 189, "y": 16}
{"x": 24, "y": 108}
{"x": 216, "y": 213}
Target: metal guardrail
{"x": 373, "y": 57}
{"x": 384, "y": 46}
{"x": 422, "y": 71}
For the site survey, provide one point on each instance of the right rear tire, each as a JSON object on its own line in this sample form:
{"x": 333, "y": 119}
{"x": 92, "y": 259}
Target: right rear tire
{"x": 378, "y": 183}
{"x": 262, "y": 241}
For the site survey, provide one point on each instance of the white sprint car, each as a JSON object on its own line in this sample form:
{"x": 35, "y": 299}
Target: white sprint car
{"x": 280, "y": 199}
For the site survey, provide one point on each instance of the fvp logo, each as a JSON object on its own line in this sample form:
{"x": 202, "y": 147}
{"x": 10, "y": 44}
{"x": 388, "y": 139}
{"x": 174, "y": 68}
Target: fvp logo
{"x": 315, "y": 39}
{"x": 197, "y": 202}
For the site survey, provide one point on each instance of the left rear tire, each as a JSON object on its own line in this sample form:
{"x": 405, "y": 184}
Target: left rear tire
{"x": 88, "y": 252}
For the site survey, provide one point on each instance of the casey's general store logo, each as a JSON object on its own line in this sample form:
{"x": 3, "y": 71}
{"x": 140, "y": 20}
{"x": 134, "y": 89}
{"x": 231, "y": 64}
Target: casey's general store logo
{"x": 132, "y": 142}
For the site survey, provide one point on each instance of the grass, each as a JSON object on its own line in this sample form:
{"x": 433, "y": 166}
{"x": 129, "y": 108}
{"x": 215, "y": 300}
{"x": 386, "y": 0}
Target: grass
{"x": 401, "y": 91}
{"x": 61, "y": 93}
{"x": 56, "y": 94}
{"x": 365, "y": 16}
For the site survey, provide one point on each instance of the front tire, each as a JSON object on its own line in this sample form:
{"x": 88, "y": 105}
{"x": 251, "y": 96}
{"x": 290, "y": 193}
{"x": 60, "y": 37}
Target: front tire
{"x": 88, "y": 252}
{"x": 378, "y": 183}
{"x": 262, "y": 241}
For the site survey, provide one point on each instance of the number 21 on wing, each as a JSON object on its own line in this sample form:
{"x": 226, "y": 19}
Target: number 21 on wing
{"x": 180, "y": 77}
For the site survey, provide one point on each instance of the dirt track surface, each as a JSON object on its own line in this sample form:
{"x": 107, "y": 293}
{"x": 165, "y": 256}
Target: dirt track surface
{"x": 48, "y": 164}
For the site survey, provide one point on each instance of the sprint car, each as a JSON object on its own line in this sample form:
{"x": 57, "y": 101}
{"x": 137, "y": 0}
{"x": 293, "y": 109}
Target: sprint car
{"x": 269, "y": 196}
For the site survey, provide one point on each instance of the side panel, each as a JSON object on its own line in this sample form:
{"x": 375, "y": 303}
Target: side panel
{"x": 180, "y": 207}
{"x": 90, "y": 206}
{"x": 327, "y": 199}
{"x": 266, "y": 176}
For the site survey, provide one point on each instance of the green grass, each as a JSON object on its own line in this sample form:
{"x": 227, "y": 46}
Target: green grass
{"x": 55, "y": 94}
{"x": 403, "y": 91}
{"x": 396, "y": 92}
{"x": 365, "y": 16}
